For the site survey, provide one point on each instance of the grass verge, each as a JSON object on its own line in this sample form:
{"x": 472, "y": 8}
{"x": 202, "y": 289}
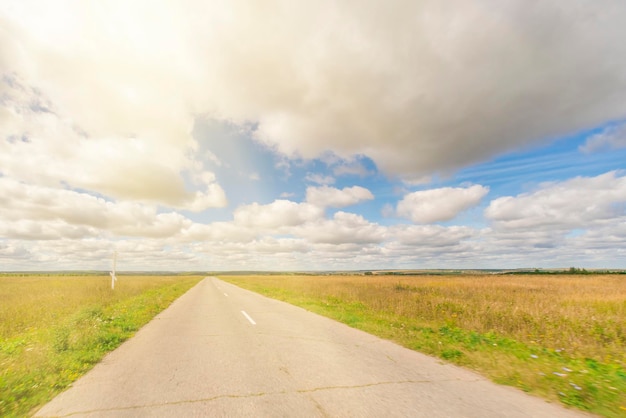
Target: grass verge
{"x": 54, "y": 329}
{"x": 559, "y": 337}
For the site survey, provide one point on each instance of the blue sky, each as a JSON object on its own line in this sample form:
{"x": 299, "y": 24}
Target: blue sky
{"x": 312, "y": 135}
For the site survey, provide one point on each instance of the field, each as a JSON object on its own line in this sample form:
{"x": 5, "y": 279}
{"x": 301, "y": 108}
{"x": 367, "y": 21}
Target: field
{"x": 55, "y": 328}
{"x": 562, "y": 337}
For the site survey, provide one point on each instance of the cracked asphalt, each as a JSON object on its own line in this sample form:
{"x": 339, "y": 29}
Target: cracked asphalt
{"x": 223, "y": 351}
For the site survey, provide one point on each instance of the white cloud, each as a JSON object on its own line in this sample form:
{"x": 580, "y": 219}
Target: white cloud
{"x": 11, "y": 252}
{"x": 417, "y": 181}
{"x": 610, "y": 138}
{"x": 431, "y": 246}
{"x": 325, "y": 196}
{"x": 581, "y": 202}
{"x": 319, "y": 179}
{"x": 388, "y": 211}
{"x": 99, "y": 101}
{"x": 39, "y": 212}
{"x": 424, "y": 86}
{"x": 129, "y": 137}
{"x": 350, "y": 168}
{"x": 439, "y": 204}
{"x": 210, "y": 156}
{"x": 344, "y": 228}
{"x": 213, "y": 196}
{"x": 432, "y": 236}
{"x": 219, "y": 232}
{"x": 278, "y": 247}
{"x": 45, "y": 148}
{"x": 26, "y": 229}
{"x": 419, "y": 87}
{"x": 280, "y": 213}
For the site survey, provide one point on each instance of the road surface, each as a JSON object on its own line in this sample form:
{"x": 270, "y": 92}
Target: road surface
{"x": 220, "y": 350}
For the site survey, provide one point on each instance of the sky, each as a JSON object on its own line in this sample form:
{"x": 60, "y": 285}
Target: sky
{"x": 312, "y": 135}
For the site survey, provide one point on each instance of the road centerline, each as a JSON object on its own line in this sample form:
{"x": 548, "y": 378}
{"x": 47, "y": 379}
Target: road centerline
{"x": 248, "y": 317}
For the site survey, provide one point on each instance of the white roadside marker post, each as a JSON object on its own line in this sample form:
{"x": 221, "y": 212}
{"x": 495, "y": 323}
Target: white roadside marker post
{"x": 112, "y": 273}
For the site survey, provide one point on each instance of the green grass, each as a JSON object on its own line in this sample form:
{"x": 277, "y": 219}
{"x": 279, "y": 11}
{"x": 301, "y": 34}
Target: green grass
{"x": 54, "y": 329}
{"x": 559, "y": 337}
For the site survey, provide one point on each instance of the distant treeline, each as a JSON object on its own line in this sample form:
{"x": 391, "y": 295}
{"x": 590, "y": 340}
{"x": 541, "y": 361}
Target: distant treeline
{"x": 434, "y": 272}
{"x": 571, "y": 270}
{"x": 96, "y": 273}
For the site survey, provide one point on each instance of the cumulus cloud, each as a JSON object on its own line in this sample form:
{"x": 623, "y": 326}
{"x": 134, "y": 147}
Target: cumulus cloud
{"x": 319, "y": 179}
{"x": 419, "y": 87}
{"x": 41, "y": 146}
{"x": 343, "y": 228}
{"x": 219, "y": 232}
{"x": 325, "y": 196}
{"x": 580, "y": 202}
{"x": 280, "y": 213}
{"x": 609, "y": 138}
{"x": 98, "y": 104}
{"x": 350, "y": 168}
{"x": 277, "y": 247}
{"x": 81, "y": 108}
{"x": 39, "y": 212}
{"x": 422, "y": 87}
{"x": 433, "y": 236}
{"x": 439, "y": 204}
{"x": 11, "y": 253}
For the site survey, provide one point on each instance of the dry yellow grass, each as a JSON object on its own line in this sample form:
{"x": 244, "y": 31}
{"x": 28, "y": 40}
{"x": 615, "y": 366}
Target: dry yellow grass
{"x": 32, "y": 302}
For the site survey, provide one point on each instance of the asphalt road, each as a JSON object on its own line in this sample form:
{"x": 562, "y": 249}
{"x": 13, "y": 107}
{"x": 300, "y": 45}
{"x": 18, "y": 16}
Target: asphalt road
{"x": 223, "y": 351}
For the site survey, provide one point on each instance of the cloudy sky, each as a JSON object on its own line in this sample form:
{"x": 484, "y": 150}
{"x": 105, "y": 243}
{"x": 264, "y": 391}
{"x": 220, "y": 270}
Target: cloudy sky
{"x": 288, "y": 135}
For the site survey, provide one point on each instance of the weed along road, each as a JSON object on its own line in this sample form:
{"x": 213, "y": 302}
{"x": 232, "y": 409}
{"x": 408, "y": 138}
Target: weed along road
{"x": 223, "y": 351}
